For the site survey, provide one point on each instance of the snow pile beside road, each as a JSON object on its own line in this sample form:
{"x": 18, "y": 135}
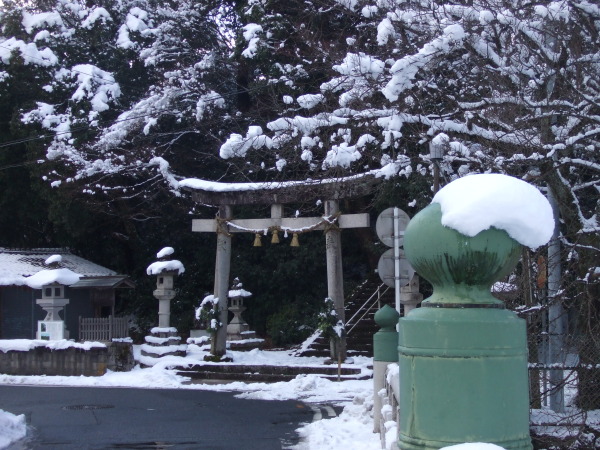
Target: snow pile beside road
{"x": 12, "y": 428}
{"x": 351, "y": 430}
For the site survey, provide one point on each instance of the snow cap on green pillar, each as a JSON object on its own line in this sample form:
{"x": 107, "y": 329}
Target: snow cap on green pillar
{"x": 471, "y": 234}
{"x": 462, "y": 356}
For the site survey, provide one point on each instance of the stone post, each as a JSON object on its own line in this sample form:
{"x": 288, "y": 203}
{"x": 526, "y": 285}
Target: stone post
{"x": 462, "y": 355}
{"x": 385, "y": 352}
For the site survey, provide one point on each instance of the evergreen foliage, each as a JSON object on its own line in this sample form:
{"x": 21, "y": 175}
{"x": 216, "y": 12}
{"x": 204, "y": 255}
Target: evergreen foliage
{"x": 106, "y": 106}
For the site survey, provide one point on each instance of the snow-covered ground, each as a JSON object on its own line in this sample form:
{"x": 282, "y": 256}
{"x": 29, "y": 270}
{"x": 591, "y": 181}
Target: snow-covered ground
{"x": 352, "y": 429}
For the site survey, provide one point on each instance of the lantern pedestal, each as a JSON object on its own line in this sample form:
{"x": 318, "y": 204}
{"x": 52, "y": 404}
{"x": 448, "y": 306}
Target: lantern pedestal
{"x": 161, "y": 342}
{"x": 52, "y": 328}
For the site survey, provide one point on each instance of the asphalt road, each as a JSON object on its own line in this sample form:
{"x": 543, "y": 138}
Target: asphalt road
{"x": 119, "y": 418}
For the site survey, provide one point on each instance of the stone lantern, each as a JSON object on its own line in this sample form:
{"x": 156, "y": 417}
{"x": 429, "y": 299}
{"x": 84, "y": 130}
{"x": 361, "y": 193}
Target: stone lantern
{"x": 164, "y": 292}
{"x": 238, "y": 329}
{"x": 52, "y": 282}
{"x": 165, "y": 272}
{"x": 52, "y": 302}
{"x": 163, "y": 340}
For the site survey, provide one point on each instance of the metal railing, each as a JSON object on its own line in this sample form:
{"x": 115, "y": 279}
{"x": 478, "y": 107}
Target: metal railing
{"x": 103, "y": 329}
{"x": 367, "y": 306}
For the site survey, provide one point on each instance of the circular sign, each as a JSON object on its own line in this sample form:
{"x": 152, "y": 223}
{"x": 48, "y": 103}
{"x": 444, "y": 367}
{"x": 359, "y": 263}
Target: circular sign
{"x": 386, "y": 269}
{"x": 385, "y": 226}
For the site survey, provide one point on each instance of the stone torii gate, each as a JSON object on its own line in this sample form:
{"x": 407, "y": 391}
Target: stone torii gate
{"x": 227, "y": 195}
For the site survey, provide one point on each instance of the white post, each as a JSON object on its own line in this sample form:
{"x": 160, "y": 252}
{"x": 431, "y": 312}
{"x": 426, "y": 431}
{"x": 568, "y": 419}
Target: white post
{"x": 397, "y": 257}
{"x": 379, "y": 370}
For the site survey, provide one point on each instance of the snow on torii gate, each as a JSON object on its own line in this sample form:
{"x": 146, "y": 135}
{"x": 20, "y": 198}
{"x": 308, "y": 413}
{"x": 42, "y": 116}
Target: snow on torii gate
{"x": 227, "y": 195}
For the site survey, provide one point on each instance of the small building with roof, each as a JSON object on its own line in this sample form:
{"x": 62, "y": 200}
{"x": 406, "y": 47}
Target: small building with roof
{"x": 91, "y": 296}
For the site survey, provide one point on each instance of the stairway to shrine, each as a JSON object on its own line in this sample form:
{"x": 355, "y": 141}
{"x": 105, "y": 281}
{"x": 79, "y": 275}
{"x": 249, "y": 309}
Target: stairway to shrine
{"x": 360, "y": 310}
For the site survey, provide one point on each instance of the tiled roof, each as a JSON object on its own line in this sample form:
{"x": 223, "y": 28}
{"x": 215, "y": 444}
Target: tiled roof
{"x": 16, "y": 263}
{"x": 118, "y": 281}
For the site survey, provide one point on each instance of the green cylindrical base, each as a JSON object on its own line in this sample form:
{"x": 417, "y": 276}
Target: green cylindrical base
{"x": 385, "y": 346}
{"x": 463, "y": 375}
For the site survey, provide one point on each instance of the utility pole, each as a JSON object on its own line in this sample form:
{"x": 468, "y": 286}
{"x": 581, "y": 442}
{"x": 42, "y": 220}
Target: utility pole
{"x": 556, "y": 352}
{"x": 436, "y": 154}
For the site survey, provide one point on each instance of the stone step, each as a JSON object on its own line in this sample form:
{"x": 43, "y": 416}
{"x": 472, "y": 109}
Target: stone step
{"x": 255, "y": 377}
{"x": 289, "y": 370}
{"x": 361, "y": 339}
{"x": 239, "y": 372}
{"x": 320, "y": 353}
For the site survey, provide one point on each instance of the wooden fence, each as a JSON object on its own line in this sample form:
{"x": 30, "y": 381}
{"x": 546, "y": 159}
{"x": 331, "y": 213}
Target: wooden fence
{"x": 103, "y": 329}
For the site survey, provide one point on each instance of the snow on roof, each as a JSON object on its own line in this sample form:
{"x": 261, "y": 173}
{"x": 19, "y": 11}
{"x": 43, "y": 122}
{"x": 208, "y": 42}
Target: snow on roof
{"x": 477, "y": 202}
{"x": 159, "y": 267}
{"x": 46, "y": 277}
{"x": 239, "y": 293}
{"x": 165, "y": 252}
{"x": 216, "y": 186}
{"x": 114, "y": 282}
{"x": 53, "y": 259}
{"x": 17, "y": 264}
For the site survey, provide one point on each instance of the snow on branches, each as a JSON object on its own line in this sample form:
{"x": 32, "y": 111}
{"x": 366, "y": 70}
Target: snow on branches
{"x": 513, "y": 91}
{"x": 110, "y": 76}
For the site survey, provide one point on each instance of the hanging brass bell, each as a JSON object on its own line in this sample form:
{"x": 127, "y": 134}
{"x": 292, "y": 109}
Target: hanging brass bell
{"x": 295, "y": 242}
{"x": 257, "y": 240}
{"x": 275, "y": 238}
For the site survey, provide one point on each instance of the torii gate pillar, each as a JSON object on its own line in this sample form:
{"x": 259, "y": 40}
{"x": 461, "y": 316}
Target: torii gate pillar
{"x": 335, "y": 277}
{"x": 221, "y": 287}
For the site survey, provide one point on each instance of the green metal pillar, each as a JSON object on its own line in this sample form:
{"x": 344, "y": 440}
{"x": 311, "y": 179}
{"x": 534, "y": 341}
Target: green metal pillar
{"x": 462, "y": 356}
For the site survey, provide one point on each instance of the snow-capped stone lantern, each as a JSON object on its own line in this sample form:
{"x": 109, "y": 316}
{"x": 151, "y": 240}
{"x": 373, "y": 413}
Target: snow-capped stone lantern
{"x": 163, "y": 340}
{"x": 52, "y": 282}
{"x": 165, "y": 271}
{"x": 238, "y": 329}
